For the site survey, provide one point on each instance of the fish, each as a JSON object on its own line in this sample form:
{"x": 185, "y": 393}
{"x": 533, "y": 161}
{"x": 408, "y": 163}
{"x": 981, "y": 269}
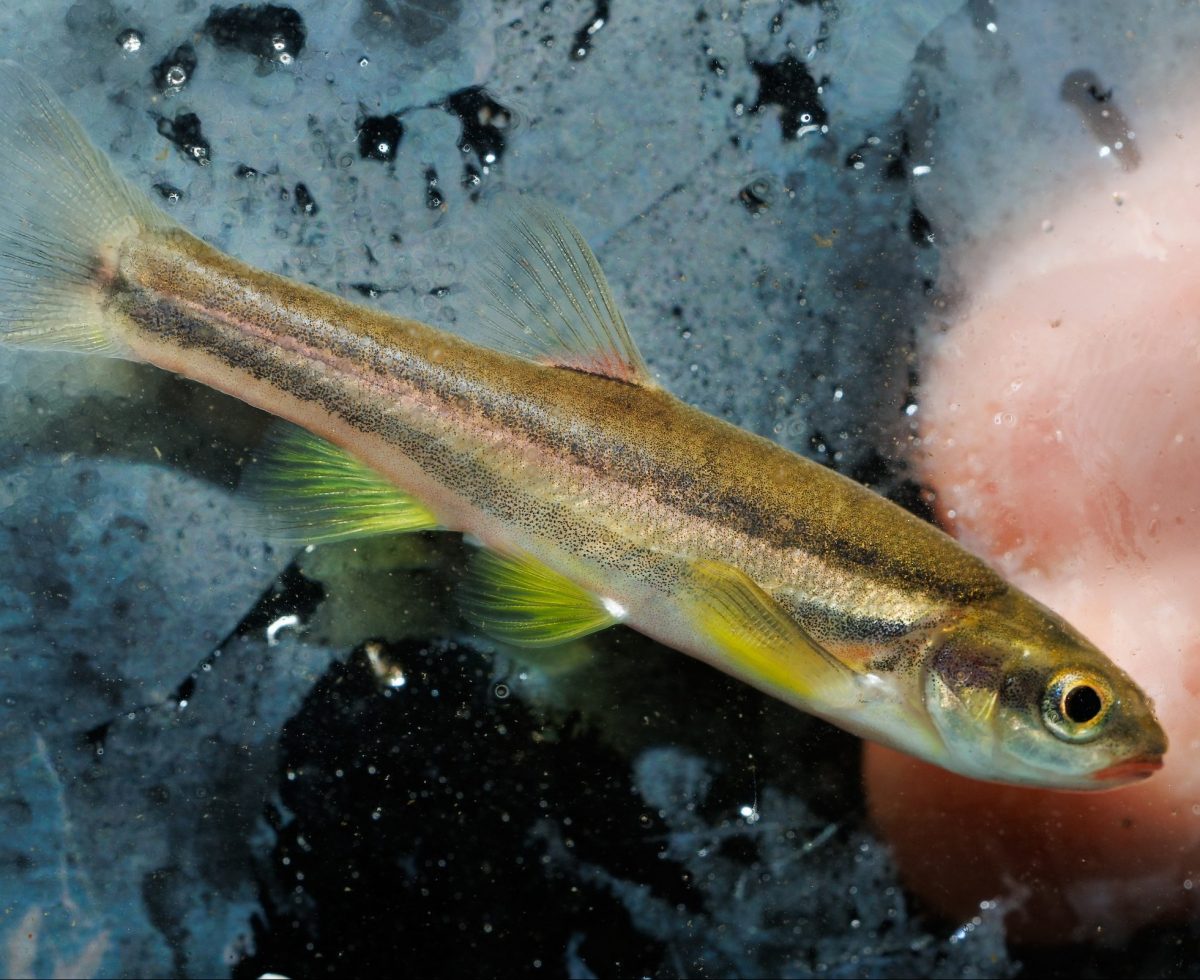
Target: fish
{"x": 594, "y": 496}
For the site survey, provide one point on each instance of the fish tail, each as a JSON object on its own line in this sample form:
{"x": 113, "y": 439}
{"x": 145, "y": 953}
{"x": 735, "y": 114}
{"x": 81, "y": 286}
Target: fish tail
{"x": 64, "y": 215}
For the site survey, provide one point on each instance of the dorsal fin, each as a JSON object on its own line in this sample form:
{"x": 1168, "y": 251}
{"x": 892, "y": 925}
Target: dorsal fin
{"x": 548, "y": 299}
{"x": 314, "y": 492}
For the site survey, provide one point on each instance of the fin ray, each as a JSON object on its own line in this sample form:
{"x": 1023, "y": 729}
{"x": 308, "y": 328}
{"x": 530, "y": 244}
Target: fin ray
{"x": 762, "y": 639}
{"x": 549, "y": 299}
{"x": 66, "y": 211}
{"x": 315, "y": 493}
{"x": 521, "y": 602}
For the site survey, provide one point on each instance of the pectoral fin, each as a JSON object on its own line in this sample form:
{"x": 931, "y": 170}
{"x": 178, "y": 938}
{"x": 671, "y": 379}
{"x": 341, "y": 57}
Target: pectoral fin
{"x": 312, "y": 491}
{"x": 761, "y": 640}
{"x": 518, "y": 600}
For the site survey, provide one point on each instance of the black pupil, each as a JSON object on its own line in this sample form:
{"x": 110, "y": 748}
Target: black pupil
{"x": 1082, "y": 704}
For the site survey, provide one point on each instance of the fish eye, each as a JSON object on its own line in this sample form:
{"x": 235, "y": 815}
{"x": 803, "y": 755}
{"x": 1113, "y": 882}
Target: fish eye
{"x": 1074, "y": 705}
{"x": 1082, "y": 703}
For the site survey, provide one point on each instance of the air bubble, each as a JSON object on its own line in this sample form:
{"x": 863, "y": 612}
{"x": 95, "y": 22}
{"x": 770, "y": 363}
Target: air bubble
{"x": 131, "y": 41}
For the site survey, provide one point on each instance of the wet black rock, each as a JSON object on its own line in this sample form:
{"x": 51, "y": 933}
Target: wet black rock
{"x": 379, "y": 137}
{"x": 433, "y": 196}
{"x": 268, "y": 31}
{"x": 187, "y": 134}
{"x": 305, "y": 203}
{"x": 788, "y": 84}
{"x": 174, "y": 71}
{"x": 582, "y": 43}
{"x": 484, "y": 124}
{"x": 169, "y": 192}
{"x": 421, "y": 817}
{"x": 919, "y": 228}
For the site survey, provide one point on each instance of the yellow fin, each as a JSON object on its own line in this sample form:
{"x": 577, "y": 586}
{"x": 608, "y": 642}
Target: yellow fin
{"x": 762, "y": 639}
{"x": 549, "y": 299}
{"x": 314, "y": 492}
{"x": 519, "y": 601}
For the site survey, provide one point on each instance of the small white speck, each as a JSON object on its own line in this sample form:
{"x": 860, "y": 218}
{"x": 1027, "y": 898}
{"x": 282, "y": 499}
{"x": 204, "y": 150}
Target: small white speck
{"x": 614, "y": 608}
{"x": 873, "y": 687}
{"x": 991, "y": 27}
{"x": 282, "y": 623}
{"x": 921, "y": 170}
{"x": 391, "y": 674}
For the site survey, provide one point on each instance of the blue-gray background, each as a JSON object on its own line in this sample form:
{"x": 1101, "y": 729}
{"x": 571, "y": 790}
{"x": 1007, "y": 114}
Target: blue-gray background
{"x": 218, "y": 755}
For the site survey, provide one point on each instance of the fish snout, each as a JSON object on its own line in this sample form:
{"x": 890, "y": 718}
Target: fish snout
{"x": 1133, "y": 769}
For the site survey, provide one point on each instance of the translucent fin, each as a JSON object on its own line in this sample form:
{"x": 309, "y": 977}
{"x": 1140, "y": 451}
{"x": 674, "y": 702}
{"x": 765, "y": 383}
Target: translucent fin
{"x": 549, "y": 300}
{"x": 521, "y": 602}
{"x": 64, "y": 212}
{"x": 762, "y": 639}
{"x": 314, "y": 492}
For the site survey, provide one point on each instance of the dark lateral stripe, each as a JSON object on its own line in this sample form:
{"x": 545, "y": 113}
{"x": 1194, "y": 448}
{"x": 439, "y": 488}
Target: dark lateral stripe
{"x": 464, "y": 473}
{"x": 477, "y": 392}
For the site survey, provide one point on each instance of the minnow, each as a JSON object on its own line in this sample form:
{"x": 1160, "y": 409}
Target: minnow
{"x": 596, "y": 497}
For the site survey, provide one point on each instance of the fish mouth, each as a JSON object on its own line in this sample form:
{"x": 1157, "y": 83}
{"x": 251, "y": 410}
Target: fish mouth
{"x": 1128, "y": 770}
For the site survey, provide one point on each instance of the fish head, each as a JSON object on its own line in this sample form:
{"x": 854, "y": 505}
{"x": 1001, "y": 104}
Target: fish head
{"x": 1018, "y": 696}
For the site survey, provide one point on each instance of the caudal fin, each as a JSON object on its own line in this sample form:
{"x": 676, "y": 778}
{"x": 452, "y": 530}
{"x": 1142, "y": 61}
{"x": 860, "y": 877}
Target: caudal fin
{"x": 64, "y": 212}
